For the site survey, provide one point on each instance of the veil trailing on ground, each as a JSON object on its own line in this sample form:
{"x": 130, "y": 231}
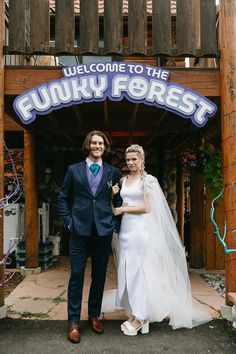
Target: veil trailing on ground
{"x": 164, "y": 266}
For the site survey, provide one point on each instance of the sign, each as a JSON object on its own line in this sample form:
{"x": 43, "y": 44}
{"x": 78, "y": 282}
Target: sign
{"x": 116, "y": 80}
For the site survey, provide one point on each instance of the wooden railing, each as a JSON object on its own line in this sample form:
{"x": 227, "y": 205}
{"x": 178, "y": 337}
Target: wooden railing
{"x": 192, "y": 32}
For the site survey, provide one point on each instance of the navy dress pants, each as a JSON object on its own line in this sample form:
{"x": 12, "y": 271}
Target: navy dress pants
{"x": 81, "y": 247}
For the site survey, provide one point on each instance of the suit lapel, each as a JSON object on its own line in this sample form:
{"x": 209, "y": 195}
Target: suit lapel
{"x": 106, "y": 172}
{"x": 83, "y": 174}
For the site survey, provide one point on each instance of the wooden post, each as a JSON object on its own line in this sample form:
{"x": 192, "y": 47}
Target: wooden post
{"x": 227, "y": 37}
{"x": 2, "y": 24}
{"x": 197, "y": 247}
{"x": 214, "y": 252}
{"x": 31, "y": 203}
{"x": 180, "y": 201}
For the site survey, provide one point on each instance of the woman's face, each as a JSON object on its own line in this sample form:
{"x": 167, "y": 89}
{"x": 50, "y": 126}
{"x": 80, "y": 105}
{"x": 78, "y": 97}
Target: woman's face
{"x": 134, "y": 161}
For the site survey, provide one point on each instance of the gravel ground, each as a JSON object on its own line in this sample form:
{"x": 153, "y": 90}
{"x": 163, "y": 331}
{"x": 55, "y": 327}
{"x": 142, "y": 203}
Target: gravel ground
{"x": 216, "y": 281}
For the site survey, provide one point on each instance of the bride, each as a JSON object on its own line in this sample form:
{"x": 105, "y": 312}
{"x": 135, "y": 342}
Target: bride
{"x": 153, "y": 281}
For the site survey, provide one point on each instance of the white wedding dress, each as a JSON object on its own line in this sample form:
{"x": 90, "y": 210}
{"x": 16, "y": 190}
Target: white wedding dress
{"x": 133, "y": 242}
{"x": 153, "y": 281}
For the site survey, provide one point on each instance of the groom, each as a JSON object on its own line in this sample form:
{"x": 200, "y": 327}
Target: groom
{"x": 90, "y": 219}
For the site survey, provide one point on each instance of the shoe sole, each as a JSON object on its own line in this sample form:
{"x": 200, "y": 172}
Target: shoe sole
{"x": 74, "y": 341}
{"x": 97, "y": 332}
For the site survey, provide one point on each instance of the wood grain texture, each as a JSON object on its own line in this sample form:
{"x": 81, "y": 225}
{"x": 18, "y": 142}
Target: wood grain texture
{"x": 17, "y": 25}
{"x": 197, "y": 242}
{"x": 161, "y": 27}
{"x": 31, "y": 202}
{"x": 39, "y": 26}
{"x": 2, "y": 24}
{"x": 205, "y": 82}
{"x": 227, "y": 37}
{"x": 64, "y": 26}
{"x": 137, "y": 27}
{"x": 89, "y": 27}
{"x": 113, "y": 27}
{"x": 185, "y": 27}
{"x": 208, "y": 27}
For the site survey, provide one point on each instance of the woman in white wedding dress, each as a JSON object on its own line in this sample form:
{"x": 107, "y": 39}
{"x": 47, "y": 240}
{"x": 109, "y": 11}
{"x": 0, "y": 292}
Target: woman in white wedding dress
{"x": 153, "y": 281}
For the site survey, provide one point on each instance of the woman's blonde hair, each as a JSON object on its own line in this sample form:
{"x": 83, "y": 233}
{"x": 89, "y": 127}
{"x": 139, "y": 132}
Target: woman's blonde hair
{"x": 138, "y": 150}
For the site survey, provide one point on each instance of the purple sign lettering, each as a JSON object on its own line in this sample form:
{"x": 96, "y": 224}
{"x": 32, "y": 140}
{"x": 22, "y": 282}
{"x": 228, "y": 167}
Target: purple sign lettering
{"x": 116, "y": 80}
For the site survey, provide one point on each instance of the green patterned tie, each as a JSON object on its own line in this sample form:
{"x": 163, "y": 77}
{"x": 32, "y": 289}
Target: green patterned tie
{"x": 95, "y": 169}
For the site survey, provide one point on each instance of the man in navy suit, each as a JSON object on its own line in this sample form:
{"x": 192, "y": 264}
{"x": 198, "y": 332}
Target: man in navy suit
{"x": 91, "y": 221}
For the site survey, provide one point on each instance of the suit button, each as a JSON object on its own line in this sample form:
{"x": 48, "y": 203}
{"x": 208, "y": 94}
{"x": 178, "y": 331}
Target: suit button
{"x": 94, "y": 200}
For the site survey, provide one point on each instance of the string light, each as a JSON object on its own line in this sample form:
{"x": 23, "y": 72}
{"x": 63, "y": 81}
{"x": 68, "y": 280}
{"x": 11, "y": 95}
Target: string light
{"x": 16, "y": 193}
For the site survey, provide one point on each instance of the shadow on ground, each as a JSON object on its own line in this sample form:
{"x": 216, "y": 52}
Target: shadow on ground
{"x": 44, "y": 337}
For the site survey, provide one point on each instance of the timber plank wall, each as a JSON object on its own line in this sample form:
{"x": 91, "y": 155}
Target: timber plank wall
{"x": 34, "y": 29}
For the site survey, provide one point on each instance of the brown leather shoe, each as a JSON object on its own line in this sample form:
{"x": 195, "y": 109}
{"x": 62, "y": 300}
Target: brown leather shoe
{"x": 73, "y": 333}
{"x": 96, "y": 325}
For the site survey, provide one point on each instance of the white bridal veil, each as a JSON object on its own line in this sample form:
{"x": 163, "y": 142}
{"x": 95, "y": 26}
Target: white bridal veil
{"x": 164, "y": 266}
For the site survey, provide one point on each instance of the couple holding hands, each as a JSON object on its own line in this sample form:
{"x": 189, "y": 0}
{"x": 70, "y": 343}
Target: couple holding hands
{"x": 153, "y": 281}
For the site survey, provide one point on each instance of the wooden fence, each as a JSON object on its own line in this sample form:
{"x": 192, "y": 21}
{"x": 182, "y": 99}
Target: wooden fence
{"x": 34, "y": 29}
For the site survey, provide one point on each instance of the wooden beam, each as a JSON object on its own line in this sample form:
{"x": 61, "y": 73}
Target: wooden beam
{"x": 157, "y": 127}
{"x": 125, "y": 134}
{"x": 18, "y": 80}
{"x": 69, "y": 138}
{"x": 180, "y": 201}
{"x": 106, "y": 117}
{"x": 227, "y": 34}
{"x": 133, "y": 121}
{"x": 78, "y": 115}
{"x": 197, "y": 244}
{"x": 182, "y": 124}
{"x": 10, "y": 124}
{"x": 31, "y": 203}
{"x": 2, "y": 26}
{"x": 46, "y": 136}
{"x": 214, "y": 254}
{"x": 134, "y": 115}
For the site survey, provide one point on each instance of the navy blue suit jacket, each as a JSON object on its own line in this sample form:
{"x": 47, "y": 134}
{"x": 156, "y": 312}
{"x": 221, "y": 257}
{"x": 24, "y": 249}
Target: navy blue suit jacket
{"x": 85, "y": 209}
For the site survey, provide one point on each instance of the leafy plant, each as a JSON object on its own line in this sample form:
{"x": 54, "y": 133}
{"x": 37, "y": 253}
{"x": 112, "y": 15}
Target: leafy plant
{"x": 213, "y": 173}
{"x": 27, "y": 314}
{"x": 196, "y": 158}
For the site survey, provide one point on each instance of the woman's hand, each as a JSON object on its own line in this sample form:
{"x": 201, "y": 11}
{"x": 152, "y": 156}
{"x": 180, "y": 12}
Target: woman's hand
{"x": 119, "y": 211}
{"x": 115, "y": 190}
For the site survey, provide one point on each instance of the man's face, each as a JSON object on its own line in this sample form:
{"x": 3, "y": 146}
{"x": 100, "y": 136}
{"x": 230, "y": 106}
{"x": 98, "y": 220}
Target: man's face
{"x": 96, "y": 148}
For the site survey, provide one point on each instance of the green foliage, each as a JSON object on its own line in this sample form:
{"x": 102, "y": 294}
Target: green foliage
{"x": 58, "y": 299}
{"x": 213, "y": 173}
{"x": 39, "y": 315}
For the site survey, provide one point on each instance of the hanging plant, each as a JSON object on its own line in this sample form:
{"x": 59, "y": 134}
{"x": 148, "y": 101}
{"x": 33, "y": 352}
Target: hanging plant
{"x": 208, "y": 162}
{"x": 213, "y": 173}
{"x": 197, "y": 158}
